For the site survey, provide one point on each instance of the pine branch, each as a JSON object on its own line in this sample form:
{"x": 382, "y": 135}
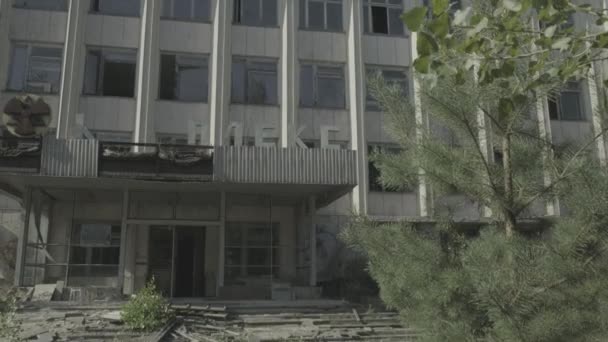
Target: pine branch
{"x": 562, "y": 176}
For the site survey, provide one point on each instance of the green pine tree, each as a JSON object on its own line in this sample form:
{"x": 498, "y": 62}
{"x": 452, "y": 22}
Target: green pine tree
{"x": 516, "y": 276}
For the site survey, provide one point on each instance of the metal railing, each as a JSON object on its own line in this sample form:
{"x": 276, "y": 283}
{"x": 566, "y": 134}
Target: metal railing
{"x": 139, "y": 160}
{"x": 20, "y": 154}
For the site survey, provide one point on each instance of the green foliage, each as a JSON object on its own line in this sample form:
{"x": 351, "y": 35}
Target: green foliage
{"x": 9, "y": 326}
{"x": 148, "y": 310}
{"x": 473, "y": 132}
{"x": 459, "y": 286}
{"x": 492, "y": 37}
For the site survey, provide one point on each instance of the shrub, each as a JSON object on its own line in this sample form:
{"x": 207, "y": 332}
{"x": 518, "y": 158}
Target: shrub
{"x": 9, "y": 326}
{"x": 148, "y": 310}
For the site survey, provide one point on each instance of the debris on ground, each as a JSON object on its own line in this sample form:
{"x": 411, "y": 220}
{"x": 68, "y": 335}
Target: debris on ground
{"x": 215, "y": 322}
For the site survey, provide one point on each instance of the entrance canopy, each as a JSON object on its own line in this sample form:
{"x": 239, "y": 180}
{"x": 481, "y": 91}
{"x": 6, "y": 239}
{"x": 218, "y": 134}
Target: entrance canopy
{"x": 291, "y": 174}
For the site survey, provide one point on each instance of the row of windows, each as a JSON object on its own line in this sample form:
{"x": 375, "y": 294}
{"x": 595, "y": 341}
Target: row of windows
{"x": 111, "y": 72}
{"x": 379, "y": 16}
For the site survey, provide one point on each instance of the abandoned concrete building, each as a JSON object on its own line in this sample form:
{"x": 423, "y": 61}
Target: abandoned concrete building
{"x": 217, "y": 146}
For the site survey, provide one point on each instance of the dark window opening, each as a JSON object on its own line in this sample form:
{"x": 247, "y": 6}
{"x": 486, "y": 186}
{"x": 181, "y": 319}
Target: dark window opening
{"x": 47, "y": 5}
{"x": 116, "y": 7}
{"x": 256, "y": 12}
{"x": 373, "y": 172}
{"x": 567, "y": 105}
{"x": 184, "y": 78}
{"x": 110, "y": 73}
{"x": 379, "y": 20}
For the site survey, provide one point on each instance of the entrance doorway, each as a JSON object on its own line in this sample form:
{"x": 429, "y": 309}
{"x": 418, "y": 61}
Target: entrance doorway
{"x": 177, "y": 260}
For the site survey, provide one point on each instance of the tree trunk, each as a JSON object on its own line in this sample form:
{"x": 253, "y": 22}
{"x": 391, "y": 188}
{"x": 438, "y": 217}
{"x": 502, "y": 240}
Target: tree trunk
{"x": 509, "y": 217}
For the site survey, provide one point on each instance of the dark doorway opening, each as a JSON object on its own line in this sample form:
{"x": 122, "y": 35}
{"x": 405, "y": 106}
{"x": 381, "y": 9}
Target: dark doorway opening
{"x": 189, "y": 262}
{"x": 177, "y": 260}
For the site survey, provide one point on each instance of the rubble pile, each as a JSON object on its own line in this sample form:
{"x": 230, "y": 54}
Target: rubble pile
{"x": 45, "y": 320}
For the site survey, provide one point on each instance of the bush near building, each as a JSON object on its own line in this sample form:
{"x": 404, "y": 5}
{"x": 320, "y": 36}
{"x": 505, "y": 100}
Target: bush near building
{"x": 148, "y": 310}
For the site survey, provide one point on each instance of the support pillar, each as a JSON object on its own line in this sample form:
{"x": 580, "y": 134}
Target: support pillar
{"x": 222, "y": 243}
{"x": 5, "y": 43}
{"x": 221, "y": 63}
{"x": 356, "y": 90}
{"x": 424, "y": 198}
{"x": 123, "y": 238}
{"x": 312, "y": 207}
{"x": 23, "y": 238}
{"x": 130, "y": 254}
{"x": 595, "y": 110}
{"x": 289, "y": 86}
{"x": 544, "y": 131}
{"x": 147, "y": 71}
{"x": 72, "y": 70}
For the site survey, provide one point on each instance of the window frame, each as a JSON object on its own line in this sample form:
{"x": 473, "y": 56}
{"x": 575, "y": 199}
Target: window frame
{"x": 100, "y": 71}
{"x": 368, "y": 22}
{"x": 315, "y": 82}
{"x": 260, "y": 19}
{"x": 305, "y": 25}
{"x": 191, "y": 18}
{"x": 558, "y": 102}
{"x": 93, "y": 11}
{"x": 71, "y": 244}
{"x": 206, "y": 59}
{"x": 369, "y": 69}
{"x": 67, "y": 6}
{"x": 29, "y": 46}
{"x": 273, "y": 245}
{"x": 248, "y": 61}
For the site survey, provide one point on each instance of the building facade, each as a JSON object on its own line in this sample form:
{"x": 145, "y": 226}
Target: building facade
{"x": 215, "y": 145}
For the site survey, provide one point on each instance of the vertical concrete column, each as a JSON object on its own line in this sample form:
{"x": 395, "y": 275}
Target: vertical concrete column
{"x": 123, "y": 238}
{"x": 222, "y": 238}
{"x": 289, "y": 86}
{"x": 5, "y": 22}
{"x": 544, "y": 132}
{"x": 147, "y": 71}
{"x": 221, "y": 65}
{"x": 424, "y": 200}
{"x": 72, "y": 71}
{"x": 129, "y": 260}
{"x": 23, "y": 238}
{"x": 312, "y": 207}
{"x": 593, "y": 107}
{"x": 356, "y": 95}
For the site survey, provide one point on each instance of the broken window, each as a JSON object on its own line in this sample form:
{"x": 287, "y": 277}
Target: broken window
{"x": 392, "y": 77}
{"x": 129, "y": 8}
{"x": 251, "y": 250}
{"x": 254, "y": 82}
{"x": 196, "y": 10}
{"x": 323, "y": 15}
{"x": 49, "y": 5}
{"x": 94, "y": 252}
{"x": 383, "y": 17}
{"x": 322, "y": 86}
{"x": 184, "y": 78}
{"x": 35, "y": 68}
{"x": 256, "y": 12}
{"x": 110, "y": 72}
{"x": 567, "y": 105}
